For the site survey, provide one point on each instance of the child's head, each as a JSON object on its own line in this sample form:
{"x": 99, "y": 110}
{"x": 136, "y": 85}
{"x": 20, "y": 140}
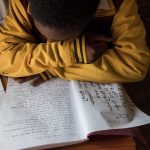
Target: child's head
{"x": 62, "y": 19}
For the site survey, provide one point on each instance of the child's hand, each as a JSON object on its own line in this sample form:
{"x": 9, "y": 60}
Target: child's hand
{"x": 96, "y": 45}
{"x": 36, "y": 80}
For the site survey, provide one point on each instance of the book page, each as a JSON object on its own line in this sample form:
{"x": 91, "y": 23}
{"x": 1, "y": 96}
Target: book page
{"x": 107, "y": 106}
{"x": 34, "y": 116}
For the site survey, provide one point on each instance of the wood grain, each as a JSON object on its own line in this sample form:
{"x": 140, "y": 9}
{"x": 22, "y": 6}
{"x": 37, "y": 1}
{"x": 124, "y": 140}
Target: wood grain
{"x": 107, "y": 143}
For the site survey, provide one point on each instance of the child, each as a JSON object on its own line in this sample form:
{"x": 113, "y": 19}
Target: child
{"x": 45, "y": 36}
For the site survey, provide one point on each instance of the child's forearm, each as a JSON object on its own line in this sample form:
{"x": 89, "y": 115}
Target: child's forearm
{"x": 128, "y": 61}
{"x": 19, "y": 54}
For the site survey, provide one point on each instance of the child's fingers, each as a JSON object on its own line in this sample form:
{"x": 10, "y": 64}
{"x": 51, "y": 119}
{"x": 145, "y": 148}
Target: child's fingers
{"x": 37, "y": 82}
{"x": 25, "y": 79}
{"x": 16, "y": 79}
{"x": 19, "y": 80}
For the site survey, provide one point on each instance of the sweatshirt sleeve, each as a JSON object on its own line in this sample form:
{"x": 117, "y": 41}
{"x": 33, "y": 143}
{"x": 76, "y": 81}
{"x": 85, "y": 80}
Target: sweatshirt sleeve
{"x": 21, "y": 56}
{"x": 128, "y": 61}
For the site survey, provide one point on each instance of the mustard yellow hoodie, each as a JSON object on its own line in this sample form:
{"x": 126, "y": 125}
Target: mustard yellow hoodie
{"x": 21, "y": 55}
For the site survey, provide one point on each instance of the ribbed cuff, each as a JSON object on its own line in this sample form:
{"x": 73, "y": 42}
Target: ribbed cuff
{"x": 46, "y": 75}
{"x": 79, "y": 50}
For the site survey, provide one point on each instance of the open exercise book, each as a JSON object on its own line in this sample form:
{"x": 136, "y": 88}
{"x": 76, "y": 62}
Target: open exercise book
{"x": 60, "y": 112}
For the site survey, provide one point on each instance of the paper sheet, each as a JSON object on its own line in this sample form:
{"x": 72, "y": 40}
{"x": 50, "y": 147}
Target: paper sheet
{"x": 46, "y": 114}
{"x": 37, "y": 116}
{"x": 107, "y": 106}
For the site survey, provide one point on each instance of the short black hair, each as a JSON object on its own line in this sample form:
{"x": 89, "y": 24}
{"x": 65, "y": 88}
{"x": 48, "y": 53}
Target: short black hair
{"x": 63, "y": 14}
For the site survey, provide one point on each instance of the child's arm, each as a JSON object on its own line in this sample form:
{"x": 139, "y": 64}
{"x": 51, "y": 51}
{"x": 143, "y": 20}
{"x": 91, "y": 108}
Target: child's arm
{"x": 128, "y": 61}
{"x": 20, "y": 56}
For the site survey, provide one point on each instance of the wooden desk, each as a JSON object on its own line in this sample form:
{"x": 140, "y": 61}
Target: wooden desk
{"x": 107, "y": 143}
{"x": 100, "y": 142}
